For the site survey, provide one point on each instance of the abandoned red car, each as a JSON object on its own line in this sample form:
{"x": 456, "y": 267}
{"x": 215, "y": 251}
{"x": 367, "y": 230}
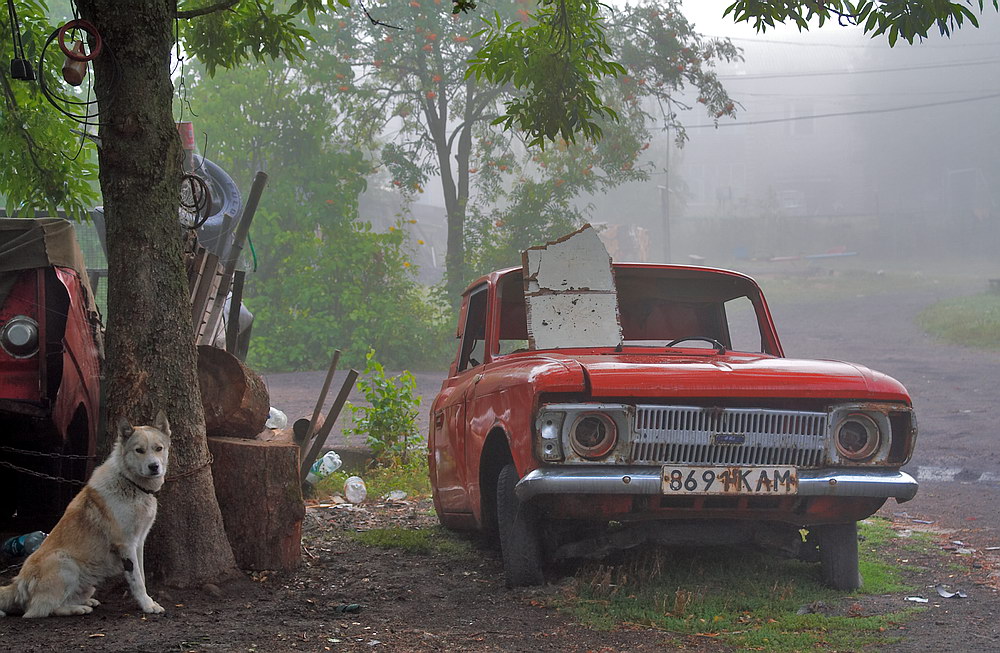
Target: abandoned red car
{"x": 687, "y": 424}
{"x": 50, "y": 358}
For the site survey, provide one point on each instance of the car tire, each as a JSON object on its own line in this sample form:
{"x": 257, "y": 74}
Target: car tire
{"x": 838, "y": 554}
{"x": 520, "y": 546}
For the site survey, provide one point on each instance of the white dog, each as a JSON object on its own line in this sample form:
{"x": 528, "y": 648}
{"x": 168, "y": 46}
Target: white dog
{"x": 101, "y": 533}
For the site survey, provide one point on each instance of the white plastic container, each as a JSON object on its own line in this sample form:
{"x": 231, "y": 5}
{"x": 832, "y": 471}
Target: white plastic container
{"x": 328, "y": 464}
{"x": 355, "y": 490}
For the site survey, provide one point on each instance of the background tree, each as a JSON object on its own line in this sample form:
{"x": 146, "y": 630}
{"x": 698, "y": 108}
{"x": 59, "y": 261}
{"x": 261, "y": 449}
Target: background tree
{"x": 322, "y": 279}
{"x": 909, "y": 19}
{"x": 528, "y": 196}
{"x": 409, "y": 83}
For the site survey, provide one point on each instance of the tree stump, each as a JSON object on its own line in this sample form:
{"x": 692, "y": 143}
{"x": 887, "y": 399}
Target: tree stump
{"x": 235, "y": 398}
{"x": 257, "y": 485}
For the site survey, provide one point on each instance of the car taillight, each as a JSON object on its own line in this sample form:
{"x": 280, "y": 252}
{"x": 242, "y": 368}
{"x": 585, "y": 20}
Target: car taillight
{"x": 593, "y": 435}
{"x": 19, "y": 336}
{"x": 857, "y": 437}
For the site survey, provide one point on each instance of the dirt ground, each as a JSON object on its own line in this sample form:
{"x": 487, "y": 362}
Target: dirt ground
{"x": 457, "y": 602}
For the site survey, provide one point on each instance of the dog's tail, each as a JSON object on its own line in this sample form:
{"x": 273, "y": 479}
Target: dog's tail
{"x": 8, "y": 597}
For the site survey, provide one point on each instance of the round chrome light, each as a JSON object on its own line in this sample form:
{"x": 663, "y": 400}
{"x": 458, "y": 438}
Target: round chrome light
{"x": 19, "y": 336}
{"x": 593, "y": 435}
{"x": 857, "y": 437}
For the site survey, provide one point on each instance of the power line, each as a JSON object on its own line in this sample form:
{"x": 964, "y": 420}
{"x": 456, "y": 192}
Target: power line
{"x": 836, "y": 96}
{"x": 956, "y": 64}
{"x": 850, "y": 113}
{"x": 821, "y": 44}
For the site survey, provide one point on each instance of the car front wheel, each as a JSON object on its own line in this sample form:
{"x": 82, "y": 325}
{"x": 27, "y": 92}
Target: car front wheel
{"x": 838, "y": 554}
{"x": 520, "y": 546}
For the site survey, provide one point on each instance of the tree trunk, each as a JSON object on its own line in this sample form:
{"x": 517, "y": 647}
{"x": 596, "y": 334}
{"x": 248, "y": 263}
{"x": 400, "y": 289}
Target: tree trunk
{"x": 151, "y": 361}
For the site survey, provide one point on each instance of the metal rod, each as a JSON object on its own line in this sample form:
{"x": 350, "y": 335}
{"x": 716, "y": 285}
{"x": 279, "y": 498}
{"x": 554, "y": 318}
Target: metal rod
{"x": 233, "y": 254}
{"x": 331, "y": 417}
{"x": 322, "y": 395}
{"x": 233, "y": 320}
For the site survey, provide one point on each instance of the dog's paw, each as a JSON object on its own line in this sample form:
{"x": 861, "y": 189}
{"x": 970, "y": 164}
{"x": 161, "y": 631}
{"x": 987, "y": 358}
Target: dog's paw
{"x": 66, "y": 611}
{"x": 92, "y": 603}
{"x": 152, "y": 607}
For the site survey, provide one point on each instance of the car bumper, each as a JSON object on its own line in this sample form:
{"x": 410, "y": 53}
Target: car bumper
{"x": 877, "y": 483}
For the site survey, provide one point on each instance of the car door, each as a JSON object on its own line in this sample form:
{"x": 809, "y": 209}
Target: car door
{"x": 451, "y": 418}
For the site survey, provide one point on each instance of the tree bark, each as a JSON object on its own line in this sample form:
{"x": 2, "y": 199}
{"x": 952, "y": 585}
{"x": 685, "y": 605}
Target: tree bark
{"x": 151, "y": 360}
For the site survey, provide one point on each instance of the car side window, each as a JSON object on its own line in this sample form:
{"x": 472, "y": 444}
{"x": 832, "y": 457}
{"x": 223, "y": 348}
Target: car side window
{"x": 744, "y": 328}
{"x": 474, "y": 334}
{"x": 513, "y": 323}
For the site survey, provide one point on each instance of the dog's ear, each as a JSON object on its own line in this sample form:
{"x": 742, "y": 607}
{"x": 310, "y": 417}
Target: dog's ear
{"x": 123, "y": 429}
{"x": 160, "y": 422}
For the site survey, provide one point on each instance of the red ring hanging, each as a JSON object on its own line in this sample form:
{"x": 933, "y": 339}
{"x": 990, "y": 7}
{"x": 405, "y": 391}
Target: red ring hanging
{"x": 87, "y": 27}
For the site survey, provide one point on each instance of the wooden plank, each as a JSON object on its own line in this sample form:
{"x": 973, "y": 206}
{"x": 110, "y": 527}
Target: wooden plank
{"x": 203, "y": 291}
{"x": 195, "y": 268}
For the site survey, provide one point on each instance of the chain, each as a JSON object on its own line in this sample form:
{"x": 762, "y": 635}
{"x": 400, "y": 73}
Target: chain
{"x": 71, "y": 481}
{"x": 41, "y": 454}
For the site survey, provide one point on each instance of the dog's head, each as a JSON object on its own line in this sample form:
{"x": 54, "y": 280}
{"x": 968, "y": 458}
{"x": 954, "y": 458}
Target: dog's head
{"x": 144, "y": 450}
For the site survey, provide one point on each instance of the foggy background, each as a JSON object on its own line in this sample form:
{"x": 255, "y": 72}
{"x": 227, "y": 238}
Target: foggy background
{"x": 844, "y": 151}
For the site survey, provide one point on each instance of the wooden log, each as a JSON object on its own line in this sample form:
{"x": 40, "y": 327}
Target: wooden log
{"x": 260, "y": 496}
{"x": 297, "y": 433}
{"x": 235, "y": 397}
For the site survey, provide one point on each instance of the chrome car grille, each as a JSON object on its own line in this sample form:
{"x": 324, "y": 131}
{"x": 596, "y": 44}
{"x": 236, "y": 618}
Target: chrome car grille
{"x": 692, "y": 435}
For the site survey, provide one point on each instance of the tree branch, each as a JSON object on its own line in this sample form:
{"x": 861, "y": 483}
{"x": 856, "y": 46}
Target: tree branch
{"x": 203, "y": 11}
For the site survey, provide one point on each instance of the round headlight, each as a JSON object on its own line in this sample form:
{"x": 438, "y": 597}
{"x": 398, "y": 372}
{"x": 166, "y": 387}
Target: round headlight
{"x": 593, "y": 435}
{"x": 857, "y": 437}
{"x": 19, "y": 336}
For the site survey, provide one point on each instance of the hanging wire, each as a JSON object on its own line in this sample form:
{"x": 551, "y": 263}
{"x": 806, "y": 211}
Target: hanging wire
{"x": 15, "y": 30}
{"x": 195, "y": 200}
{"x": 58, "y": 101}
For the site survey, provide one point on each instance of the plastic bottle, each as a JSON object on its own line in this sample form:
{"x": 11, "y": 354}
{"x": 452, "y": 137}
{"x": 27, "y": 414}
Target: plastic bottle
{"x": 24, "y": 545}
{"x": 355, "y": 490}
{"x": 328, "y": 464}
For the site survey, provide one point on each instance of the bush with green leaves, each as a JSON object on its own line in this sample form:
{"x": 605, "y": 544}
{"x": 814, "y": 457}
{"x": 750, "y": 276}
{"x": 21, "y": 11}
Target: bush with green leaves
{"x": 388, "y": 422}
{"x": 323, "y": 279}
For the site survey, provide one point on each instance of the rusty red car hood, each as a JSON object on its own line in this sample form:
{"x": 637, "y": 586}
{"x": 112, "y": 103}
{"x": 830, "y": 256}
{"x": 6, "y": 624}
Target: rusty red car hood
{"x": 728, "y": 375}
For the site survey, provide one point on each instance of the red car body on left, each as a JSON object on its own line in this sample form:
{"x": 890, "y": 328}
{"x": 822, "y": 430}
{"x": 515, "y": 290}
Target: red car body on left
{"x": 50, "y": 369}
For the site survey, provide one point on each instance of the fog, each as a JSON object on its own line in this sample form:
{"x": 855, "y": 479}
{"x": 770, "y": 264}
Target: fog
{"x": 843, "y": 150}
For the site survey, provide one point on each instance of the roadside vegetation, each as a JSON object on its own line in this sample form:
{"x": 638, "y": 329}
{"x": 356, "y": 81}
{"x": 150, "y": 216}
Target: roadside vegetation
{"x": 970, "y": 321}
{"x": 423, "y": 541}
{"x": 410, "y": 477}
{"x": 743, "y": 599}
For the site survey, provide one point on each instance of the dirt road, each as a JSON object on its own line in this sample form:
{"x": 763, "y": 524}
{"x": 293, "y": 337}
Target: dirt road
{"x": 456, "y": 601}
{"x": 956, "y": 391}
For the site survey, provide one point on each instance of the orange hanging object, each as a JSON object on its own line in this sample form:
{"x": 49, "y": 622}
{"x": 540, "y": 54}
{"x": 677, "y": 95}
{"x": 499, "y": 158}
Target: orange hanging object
{"x": 73, "y": 69}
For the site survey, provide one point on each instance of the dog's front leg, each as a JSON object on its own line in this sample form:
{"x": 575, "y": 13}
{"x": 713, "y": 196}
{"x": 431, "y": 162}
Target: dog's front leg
{"x": 132, "y": 562}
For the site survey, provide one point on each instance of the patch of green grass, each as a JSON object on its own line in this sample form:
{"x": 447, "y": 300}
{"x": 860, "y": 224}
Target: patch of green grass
{"x": 919, "y": 542}
{"x": 411, "y": 477}
{"x": 425, "y": 540}
{"x": 881, "y": 575}
{"x": 744, "y": 598}
{"x": 972, "y": 321}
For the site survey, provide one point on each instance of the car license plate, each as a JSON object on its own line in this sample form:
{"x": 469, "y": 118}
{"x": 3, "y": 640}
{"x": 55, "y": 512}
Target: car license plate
{"x": 730, "y": 480}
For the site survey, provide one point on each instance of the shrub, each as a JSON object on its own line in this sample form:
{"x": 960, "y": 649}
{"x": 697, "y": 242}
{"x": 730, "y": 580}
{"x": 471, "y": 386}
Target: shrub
{"x": 388, "y": 423}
